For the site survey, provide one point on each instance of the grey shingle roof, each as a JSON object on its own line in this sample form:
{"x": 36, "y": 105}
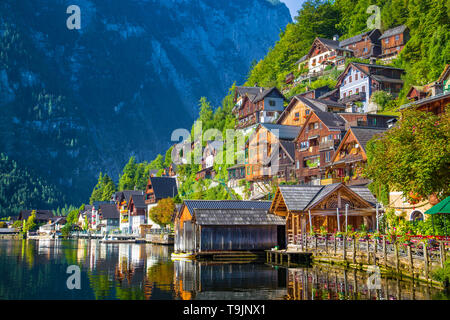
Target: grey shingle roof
{"x": 393, "y": 31}
{"x": 138, "y": 201}
{"x": 426, "y": 100}
{"x": 298, "y": 197}
{"x": 225, "y": 204}
{"x": 330, "y": 43}
{"x": 164, "y": 187}
{"x": 331, "y": 120}
{"x": 109, "y": 211}
{"x": 289, "y": 147}
{"x": 364, "y": 193}
{"x": 302, "y": 59}
{"x": 301, "y": 198}
{"x": 364, "y": 134}
{"x": 354, "y": 39}
{"x": 40, "y": 214}
{"x": 237, "y": 217}
{"x": 128, "y": 193}
{"x": 284, "y": 132}
{"x": 256, "y": 94}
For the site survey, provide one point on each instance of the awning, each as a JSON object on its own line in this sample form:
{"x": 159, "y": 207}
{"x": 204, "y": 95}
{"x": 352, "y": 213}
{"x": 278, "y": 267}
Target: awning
{"x": 442, "y": 207}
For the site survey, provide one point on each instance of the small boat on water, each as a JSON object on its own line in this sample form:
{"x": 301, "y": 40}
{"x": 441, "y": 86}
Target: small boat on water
{"x": 182, "y": 256}
{"x": 110, "y": 239}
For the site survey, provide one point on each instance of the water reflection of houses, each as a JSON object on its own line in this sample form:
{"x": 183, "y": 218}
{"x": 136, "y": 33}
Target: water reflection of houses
{"x": 200, "y": 280}
{"x": 328, "y": 283}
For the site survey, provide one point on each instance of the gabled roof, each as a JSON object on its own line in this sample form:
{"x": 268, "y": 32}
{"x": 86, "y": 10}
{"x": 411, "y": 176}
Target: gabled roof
{"x": 289, "y": 148}
{"x": 393, "y": 31}
{"x": 445, "y": 74}
{"x": 301, "y": 198}
{"x": 331, "y": 120}
{"x": 108, "y": 211}
{"x": 256, "y": 94}
{"x": 40, "y": 214}
{"x": 138, "y": 201}
{"x": 426, "y": 100}
{"x": 332, "y": 44}
{"x": 284, "y": 132}
{"x": 357, "y": 38}
{"x": 302, "y": 59}
{"x": 236, "y": 217}
{"x": 224, "y": 204}
{"x": 364, "y": 134}
{"x": 164, "y": 187}
{"x": 126, "y": 194}
{"x": 359, "y": 66}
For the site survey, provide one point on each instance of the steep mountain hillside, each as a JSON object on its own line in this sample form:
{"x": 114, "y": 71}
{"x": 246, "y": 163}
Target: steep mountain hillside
{"x": 74, "y": 102}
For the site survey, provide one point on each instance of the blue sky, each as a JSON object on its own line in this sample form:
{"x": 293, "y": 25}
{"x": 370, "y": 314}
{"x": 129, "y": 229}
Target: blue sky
{"x": 293, "y": 5}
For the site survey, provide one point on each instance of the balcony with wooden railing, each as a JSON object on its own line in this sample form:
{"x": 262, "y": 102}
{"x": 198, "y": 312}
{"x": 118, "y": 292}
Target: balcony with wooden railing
{"x": 360, "y": 96}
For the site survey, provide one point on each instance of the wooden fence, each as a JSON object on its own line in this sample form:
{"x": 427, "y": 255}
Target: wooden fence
{"x": 414, "y": 259}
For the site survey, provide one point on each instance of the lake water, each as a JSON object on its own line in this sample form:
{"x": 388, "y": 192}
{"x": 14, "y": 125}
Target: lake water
{"x": 37, "y": 269}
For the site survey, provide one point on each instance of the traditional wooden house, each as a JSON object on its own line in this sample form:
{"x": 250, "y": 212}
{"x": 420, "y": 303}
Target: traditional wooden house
{"x": 236, "y": 173}
{"x": 108, "y": 217}
{"x": 393, "y": 41}
{"x": 332, "y": 207}
{"x": 85, "y": 216}
{"x": 210, "y": 152}
{"x": 137, "y": 212}
{"x": 122, "y": 200}
{"x": 326, "y": 52}
{"x": 365, "y": 45}
{"x": 315, "y": 146}
{"x": 360, "y": 80}
{"x": 300, "y": 107}
{"x": 254, "y": 105}
{"x": 437, "y": 104}
{"x": 350, "y": 157}
{"x": 205, "y": 225}
{"x": 159, "y": 188}
{"x": 42, "y": 216}
{"x": 269, "y": 152}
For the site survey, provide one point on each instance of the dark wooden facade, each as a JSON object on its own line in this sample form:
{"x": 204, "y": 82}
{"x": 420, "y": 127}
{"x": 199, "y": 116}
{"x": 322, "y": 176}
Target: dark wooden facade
{"x": 393, "y": 41}
{"x": 365, "y": 45}
{"x": 315, "y": 146}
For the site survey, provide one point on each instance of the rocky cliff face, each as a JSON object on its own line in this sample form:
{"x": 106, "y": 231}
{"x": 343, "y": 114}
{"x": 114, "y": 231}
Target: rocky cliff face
{"x": 77, "y": 101}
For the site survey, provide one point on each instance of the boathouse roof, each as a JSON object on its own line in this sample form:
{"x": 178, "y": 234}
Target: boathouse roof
{"x": 237, "y": 217}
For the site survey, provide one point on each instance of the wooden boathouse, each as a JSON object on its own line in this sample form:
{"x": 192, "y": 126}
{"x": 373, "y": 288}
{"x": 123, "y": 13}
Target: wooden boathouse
{"x": 208, "y": 226}
{"x": 332, "y": 207}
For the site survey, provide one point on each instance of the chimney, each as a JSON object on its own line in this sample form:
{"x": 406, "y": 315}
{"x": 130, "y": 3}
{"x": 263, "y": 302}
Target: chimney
{"x": 373, "y": 60}
{"x": 336, "y": 37}
{"x": 256, "y": 84}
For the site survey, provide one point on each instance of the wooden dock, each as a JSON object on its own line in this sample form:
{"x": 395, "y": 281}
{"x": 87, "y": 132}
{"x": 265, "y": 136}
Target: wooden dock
{"x": 288, "y": 256}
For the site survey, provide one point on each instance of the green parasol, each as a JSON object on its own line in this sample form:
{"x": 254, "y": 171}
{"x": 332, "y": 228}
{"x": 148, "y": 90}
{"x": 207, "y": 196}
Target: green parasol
{"x": 441, "y": 207}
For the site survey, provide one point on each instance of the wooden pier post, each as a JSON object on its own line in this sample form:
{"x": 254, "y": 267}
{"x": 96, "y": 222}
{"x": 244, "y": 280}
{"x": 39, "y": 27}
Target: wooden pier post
{"x": 276, "y": 258}
{"x": 441, "y": 254}
{"x": 281, "y": 258}
{"x": 368, "y": 251}
{"x": 411, "y": 262}
{"x": 425, "y": 258}
{"x": 397, "y": 261}
{"x": 315, "y": 242}
{"x": 354, "y": 249}
{"x": 289, "y": 259}
{"x": 335, "y": 245}
{"x": 306, "y": 243}
{"x": 385, "y": 251}
{"x": 267, "y": 256}
{"x": 326, "y": 243}
{"x": 345, "y": 248}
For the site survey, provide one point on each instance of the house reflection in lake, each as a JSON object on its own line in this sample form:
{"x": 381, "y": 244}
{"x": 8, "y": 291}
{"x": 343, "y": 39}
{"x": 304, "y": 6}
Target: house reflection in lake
{"x": 211, "y": 281}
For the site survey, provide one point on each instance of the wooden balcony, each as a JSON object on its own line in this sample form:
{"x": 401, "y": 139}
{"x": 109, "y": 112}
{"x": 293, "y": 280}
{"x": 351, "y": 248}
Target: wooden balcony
{"x": 360, "y": 96}
{"x": 326, "y": 145}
